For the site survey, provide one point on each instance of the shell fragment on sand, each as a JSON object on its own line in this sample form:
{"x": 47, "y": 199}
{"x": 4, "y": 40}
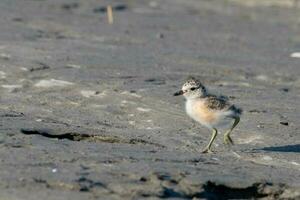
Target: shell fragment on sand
{"x": 53, "y": 83}
{"x": 143, "y": 109}
{"x": 73, "y": 66}
{"x": 92, "y": 93}
{"x": 295, "y": 55}
{"x": 5, "y": 56}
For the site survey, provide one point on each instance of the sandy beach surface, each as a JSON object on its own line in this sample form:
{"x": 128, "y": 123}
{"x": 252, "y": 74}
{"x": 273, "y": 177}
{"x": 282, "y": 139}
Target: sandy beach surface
{"x": 87, "y": 108}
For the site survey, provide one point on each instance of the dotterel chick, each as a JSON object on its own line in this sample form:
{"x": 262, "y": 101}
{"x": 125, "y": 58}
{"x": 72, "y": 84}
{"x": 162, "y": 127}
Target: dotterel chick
{"x": 209, "y": 110}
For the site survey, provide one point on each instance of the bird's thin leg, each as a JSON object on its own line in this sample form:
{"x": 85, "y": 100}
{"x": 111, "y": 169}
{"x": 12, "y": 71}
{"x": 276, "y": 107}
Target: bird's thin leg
{"x": 227, "y": 138}
{"x": 207, "y": 148}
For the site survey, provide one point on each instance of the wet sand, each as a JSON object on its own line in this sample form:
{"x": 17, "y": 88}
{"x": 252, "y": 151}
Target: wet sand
{"x": 87, "y": 110}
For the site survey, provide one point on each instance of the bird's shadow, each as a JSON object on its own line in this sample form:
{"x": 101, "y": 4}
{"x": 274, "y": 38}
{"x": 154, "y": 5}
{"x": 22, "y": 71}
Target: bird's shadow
{"x": 287, "y": 148}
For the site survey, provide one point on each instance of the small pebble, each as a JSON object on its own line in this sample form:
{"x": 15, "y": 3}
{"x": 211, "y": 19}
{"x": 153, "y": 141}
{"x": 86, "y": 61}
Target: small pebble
{"x": 69, "y": 6}
{"x": 284, "y": 123}
{"x": 260, "y": 126}
{"x": 103, "y": 9}
{"x": 120, "y": 7}
{"x": 160, "y": 35}
{"x": 284, "y": 89}
{"x": 5, "y": 56}
{"x": 257, "y": 111}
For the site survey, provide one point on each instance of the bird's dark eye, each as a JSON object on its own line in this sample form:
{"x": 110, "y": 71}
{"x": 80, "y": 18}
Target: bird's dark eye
{"x": 193, "y": 88}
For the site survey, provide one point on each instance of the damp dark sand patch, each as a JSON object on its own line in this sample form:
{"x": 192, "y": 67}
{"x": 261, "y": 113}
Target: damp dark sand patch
{"x": 81, "y": 184}
{"x": 73, "y": 136}
{"x": 177, "y": 186}
{"x": 211, "y": 190}
{"x": 12, "y": 114}
{"x": 164, "y": 186}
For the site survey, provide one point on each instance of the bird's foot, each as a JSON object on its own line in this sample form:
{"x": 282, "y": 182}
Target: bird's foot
{"x": 228, "y": 140}
{"x": 207, "y": 150}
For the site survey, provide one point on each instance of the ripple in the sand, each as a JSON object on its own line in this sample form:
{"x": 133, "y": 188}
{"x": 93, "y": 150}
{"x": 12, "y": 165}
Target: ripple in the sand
{"x": 12, "y": 88}
{"x": 2, "y": 75}
{"x": 92, "y": 93}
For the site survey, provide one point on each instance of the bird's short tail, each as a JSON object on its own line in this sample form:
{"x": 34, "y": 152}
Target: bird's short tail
{"x": 236, "y": 110}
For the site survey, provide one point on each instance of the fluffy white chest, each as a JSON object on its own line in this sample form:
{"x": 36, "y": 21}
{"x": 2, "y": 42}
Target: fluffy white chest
{"x": 189, "y": 108}
{"x": 198, "y": 110}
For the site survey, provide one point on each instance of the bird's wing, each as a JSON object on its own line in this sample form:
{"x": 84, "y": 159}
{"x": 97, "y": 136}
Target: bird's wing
{"x": 216, "y": 103}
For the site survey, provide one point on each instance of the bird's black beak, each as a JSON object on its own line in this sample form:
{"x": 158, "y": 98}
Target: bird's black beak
{"x": 178, "y": 93}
